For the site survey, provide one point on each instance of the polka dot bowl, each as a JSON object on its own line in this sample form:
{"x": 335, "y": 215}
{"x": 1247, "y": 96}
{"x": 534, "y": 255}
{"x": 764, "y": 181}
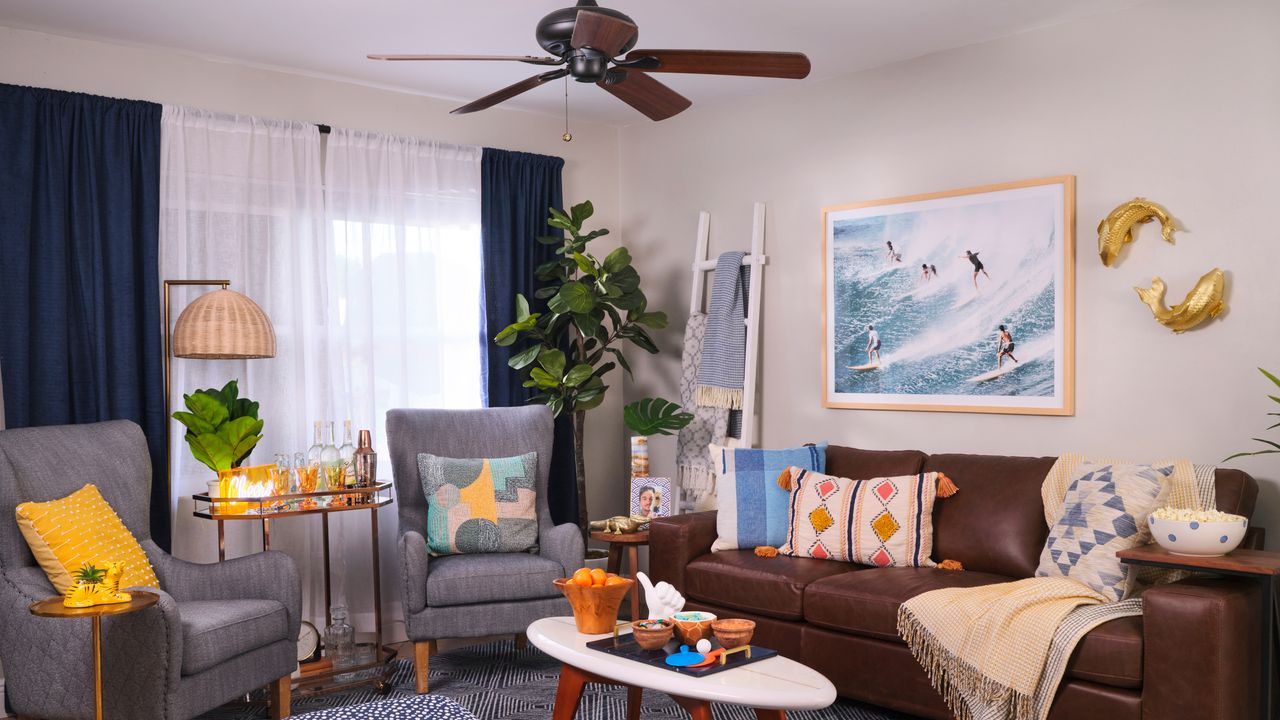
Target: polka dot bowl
{"x": 1200, "y": 539}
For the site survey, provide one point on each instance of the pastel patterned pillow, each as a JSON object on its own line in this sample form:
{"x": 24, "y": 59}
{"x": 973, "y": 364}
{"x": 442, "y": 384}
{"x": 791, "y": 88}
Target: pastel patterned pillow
{"x": 483, "y": 505}
{"x": 1103, "y": 512}
{"x": 886, "y": 522}
{"x": 751, "y": 508}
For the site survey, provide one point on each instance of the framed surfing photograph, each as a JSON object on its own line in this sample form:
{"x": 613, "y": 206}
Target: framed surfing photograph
{"x": 958, "y": 301}
{"x": 651, "y": 497}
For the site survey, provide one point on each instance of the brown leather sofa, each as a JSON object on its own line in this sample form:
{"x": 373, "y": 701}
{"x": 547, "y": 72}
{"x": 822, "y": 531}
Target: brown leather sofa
{"x": 1192, "y": 655}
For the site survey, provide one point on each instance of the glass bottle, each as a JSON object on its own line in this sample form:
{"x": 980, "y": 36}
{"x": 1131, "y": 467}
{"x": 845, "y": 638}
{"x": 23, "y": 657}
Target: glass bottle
{"x": 346, "y": 456}
{"x": 313, "y": 454}
{"x": 330, "y": 462}
{"x": 339, "y": 639}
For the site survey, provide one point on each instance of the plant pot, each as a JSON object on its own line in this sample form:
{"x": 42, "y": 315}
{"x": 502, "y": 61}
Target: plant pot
{"x": 595, "y": 607}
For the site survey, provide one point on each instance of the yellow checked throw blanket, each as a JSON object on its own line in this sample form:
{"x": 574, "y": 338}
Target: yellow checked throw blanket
{"x": 999, "y": 652}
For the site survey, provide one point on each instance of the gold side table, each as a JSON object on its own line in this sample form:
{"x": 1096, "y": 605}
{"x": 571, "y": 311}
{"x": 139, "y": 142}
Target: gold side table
{"x": 53, "y": 607}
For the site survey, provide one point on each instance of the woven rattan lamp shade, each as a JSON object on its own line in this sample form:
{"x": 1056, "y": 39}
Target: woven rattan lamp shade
{"x": 223, "y": 324}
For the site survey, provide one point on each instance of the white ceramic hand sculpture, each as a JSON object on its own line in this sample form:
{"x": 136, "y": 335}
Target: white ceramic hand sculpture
{"x": 662, "y": 599}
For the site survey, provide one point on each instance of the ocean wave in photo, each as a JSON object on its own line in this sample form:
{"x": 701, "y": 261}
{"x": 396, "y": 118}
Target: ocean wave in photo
{"x": 939, "y": 334}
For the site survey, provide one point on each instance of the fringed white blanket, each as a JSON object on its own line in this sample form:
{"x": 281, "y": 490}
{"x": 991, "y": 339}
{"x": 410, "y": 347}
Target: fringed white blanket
{"x": 709, "y": 424}
{"x": 999, "y": 652}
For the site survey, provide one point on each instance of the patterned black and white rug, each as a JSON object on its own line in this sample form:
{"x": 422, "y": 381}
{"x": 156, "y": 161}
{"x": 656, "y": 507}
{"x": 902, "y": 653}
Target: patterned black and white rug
{"x": 498, "y": 682}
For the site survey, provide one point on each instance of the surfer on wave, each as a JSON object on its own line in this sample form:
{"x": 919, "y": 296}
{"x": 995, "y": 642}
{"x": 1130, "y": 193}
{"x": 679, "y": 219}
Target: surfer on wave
{"x": 1005, "y": 347}
{"x": 924, "y": 272}
{"x": 978, "y": 267}
{"x": 890, "y": 254}
{"x": 873, "y": 345}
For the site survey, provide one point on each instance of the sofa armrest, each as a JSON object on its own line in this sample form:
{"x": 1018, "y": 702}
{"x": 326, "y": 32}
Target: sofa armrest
{"x": 1201, "y": 644}
{"x": 141, "y": 651}
{"x": 676, "y": 541}
{"x": 269, "y": 575}
{"x": 1255, "y": 538}
{"x": 563, "y": 543}
{"x": 414, "y": 559}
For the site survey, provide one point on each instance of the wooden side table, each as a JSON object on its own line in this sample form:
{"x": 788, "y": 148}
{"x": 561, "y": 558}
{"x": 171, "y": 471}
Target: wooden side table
{"x": 1258, "y": 565}
{"x": 631, "y": 542}
{"x": 53, "y": 607}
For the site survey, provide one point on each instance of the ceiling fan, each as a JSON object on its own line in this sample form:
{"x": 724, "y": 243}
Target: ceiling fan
{"x": 589, "y": 42}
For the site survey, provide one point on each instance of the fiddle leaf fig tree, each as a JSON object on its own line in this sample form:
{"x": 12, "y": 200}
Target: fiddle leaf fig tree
{"x": 222, "y": 428}
{"x": 595, "y": 307}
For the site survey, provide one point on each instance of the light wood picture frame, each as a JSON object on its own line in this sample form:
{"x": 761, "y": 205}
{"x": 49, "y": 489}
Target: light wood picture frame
{"x": 956, "y": 301}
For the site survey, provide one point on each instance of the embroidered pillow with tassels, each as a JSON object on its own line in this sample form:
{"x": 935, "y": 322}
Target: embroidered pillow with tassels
{"x": 886, "y": 522}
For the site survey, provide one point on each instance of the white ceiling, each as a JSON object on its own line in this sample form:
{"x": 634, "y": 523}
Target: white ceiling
{"x": 331, "y": 37}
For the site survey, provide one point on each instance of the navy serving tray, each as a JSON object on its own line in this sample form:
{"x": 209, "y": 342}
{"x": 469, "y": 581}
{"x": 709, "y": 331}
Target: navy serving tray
{"x": 625, "y": 646}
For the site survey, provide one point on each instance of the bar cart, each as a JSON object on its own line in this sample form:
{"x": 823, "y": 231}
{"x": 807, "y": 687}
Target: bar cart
{"x": 323, "y": 503}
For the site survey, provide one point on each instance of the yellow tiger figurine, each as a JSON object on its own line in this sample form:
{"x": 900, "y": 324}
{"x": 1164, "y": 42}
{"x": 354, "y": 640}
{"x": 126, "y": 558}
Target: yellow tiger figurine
{"x": 96, "y": 586}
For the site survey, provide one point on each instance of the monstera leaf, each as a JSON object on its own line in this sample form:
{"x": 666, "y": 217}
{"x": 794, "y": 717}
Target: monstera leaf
{"x": 655, "y": 416}
{"x": 222, "y": 427}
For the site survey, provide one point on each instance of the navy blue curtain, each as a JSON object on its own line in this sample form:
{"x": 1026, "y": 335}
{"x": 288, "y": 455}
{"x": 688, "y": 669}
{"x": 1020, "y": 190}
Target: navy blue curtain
{"x": 517, "y": 192}
{"x": 80, "y": 327}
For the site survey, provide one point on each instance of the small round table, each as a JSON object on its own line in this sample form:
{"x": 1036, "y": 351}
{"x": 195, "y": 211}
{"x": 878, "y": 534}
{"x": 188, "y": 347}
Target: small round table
{"x": 632, "y": 543}
{"x": 53, "y": 607}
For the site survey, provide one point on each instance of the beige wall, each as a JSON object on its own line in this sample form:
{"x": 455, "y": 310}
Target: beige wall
{"x": 1174, "y": 100}
{"x": 591, "y": 172}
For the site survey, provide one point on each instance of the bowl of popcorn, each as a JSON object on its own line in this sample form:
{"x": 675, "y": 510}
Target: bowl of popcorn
{"x": 1202, "y": 533}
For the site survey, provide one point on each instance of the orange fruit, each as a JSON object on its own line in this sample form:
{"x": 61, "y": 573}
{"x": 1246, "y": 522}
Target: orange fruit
{"x": 598, "y": 576}
{"x": 615, "y": 580}
{"x": 582, "y": 577}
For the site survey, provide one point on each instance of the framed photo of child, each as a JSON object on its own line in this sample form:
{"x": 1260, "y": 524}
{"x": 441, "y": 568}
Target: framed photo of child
{"x": 651, "y": 497}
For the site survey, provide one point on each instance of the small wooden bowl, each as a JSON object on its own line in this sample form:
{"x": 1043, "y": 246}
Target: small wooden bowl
{"x": 595, "y": 607}
{"x": 733, "y": 632}
{"x": 652, "y": 634}
{"x": 691, "y": 631}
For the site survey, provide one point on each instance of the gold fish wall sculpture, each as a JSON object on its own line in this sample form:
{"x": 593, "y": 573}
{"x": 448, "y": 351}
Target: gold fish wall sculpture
{"x": 1202, "y": 303}
{"x": 1116, "y": 229}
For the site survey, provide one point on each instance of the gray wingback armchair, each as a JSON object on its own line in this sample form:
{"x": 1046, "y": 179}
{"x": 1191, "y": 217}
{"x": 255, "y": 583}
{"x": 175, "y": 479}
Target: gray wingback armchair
{"x": 218, "y": 632}
{"x": 459, "y": 596}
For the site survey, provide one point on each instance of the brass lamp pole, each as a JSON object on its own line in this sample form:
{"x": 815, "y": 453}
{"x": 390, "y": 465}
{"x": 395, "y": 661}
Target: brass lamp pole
{"x": 219, "y": 325}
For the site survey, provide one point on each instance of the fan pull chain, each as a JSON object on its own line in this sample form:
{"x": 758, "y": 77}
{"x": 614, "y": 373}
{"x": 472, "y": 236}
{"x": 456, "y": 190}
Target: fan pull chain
{"x": 568, "y": 136}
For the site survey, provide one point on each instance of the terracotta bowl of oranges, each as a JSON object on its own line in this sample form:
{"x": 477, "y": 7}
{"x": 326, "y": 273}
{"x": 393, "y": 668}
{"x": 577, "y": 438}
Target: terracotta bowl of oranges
{"x": 595, "y": 596}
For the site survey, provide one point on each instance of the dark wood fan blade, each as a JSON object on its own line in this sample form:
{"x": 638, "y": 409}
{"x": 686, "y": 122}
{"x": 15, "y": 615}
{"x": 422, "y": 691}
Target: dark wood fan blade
{"x": 507, "y": 93}
{"x": 602, "y": 32}
{"x": 530, "y": 59}
{"x": 794, "y": 66}
{"x": 655, "y": 100}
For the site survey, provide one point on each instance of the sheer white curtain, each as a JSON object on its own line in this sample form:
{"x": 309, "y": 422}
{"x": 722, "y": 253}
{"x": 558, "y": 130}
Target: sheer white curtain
{"x": 241, "y": 200}
{"x": 404, "y": 303}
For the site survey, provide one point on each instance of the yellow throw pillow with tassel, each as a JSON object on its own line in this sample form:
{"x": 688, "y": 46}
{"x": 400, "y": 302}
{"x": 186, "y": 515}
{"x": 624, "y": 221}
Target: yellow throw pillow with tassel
{"x": 81, "y": 528}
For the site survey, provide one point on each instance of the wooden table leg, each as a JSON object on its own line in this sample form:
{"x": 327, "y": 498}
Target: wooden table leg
{"x": 635, "y": 696}
{"x": 97, "y": 667}
{"x": 771, "y": 714}
{"x": 569, "y": 692}
{"x": 633, "y": 567}
{"x": 697, "y": 709}
{"x": 614, "y": 564}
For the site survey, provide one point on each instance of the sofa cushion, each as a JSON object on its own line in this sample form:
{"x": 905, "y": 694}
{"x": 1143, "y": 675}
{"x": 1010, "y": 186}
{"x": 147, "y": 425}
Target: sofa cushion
{"x": 490, "y": 577}
{"x": 214, "y": 631}
{"x": 857, "y": 464}
{"x": 1111, "y": 654}
{"x": 995, "y": 524}
{"x": 867, "y": 602}
{"x": 773, "y": 587}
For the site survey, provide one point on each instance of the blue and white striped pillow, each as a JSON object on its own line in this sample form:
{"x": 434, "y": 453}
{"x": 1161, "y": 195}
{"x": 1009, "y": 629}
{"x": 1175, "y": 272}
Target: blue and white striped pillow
{"x": 751, "y": 507}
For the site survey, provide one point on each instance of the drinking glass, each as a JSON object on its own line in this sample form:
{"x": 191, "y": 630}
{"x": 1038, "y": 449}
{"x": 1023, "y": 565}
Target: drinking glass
{"x": 308, "y": 473}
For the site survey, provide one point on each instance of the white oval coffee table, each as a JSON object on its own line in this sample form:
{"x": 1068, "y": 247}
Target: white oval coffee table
{"x": 771, "y": 686}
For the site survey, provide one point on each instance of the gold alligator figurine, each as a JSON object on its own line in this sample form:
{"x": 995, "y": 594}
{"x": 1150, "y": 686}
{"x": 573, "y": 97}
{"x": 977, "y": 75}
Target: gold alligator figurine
{"x": 1116, "y": 229}
{"x": 619, "y": 524}
{"x": 96, "y": 586}
{"x": 1203, "y": 302}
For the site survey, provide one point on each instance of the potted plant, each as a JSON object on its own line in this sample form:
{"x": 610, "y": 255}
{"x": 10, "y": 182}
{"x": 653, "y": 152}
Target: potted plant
{"x": 594, "y": 306}
{"x": 1271, "y": 446}
{"x": 651, "y": 416}
{"x": 222, "y": 428}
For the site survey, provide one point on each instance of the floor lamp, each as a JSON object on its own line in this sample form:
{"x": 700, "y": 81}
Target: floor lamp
{"x": 219, "y": 325}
